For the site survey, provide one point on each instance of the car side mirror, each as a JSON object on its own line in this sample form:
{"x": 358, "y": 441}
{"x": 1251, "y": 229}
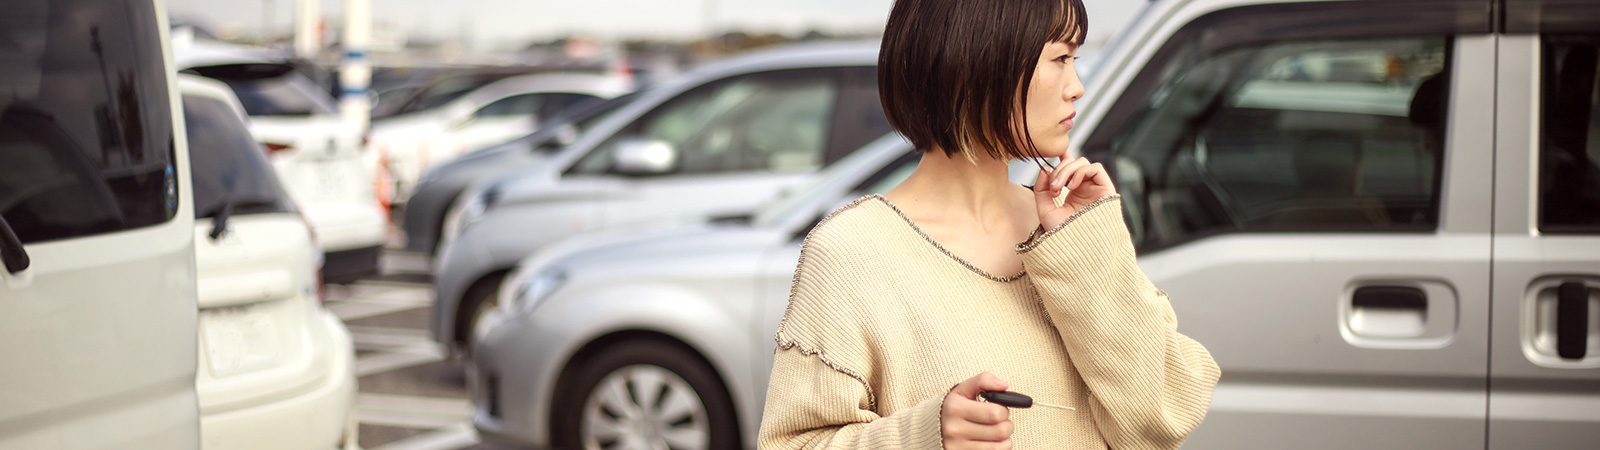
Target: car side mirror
{"x": 636, "y": 156}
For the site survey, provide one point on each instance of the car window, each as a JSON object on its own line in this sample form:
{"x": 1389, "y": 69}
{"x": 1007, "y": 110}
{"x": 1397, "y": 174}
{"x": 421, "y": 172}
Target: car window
{"x": 775, "y": 121}
{"x": 561, "y": 103}
{"x": 534, "y": 105}
{"x": 228, "y": 166}
{"x": 1324, "y": 135}
{"x": 86, "y": 142}
{"x": 517, "y": 105}
{"x": 1569, "y": 141}
{"x": 268, "y": 89}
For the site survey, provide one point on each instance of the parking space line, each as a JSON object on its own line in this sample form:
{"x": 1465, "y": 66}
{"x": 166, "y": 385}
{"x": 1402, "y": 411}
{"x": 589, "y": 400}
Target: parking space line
{"x": 447, "y": 438}
{"x": 367, "y": 339}
{"x": 360, "y": 309}
{"x": 398, "y": 358}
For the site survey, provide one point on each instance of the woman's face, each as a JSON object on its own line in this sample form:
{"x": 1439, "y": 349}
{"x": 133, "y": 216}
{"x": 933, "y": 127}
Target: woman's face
{"x": 1054, "y": 87}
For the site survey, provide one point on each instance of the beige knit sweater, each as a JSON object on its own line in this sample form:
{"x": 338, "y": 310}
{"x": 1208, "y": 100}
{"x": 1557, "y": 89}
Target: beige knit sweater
{"x": 882, "y": 322}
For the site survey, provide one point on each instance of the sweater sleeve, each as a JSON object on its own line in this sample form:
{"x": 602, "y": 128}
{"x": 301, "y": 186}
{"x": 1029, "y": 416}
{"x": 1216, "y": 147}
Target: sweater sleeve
{"x": 1149, "y": 385}
{"x": 811, "y": 405}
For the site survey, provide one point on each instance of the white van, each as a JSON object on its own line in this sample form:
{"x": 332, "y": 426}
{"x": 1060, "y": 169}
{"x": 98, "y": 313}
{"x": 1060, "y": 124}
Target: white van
{"x": 276, "y": 369}
{"x": 316, "y": 152}
{"x": 97, "y": 295}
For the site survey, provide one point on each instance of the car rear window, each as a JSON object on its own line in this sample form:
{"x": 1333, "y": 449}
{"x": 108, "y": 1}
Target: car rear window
{"x": 270, "y": 89}
{"x": 86, "y": 141}
{"x": 228, "y": 165}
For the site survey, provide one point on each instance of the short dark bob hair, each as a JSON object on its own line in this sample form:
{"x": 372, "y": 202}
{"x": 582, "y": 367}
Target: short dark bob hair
{"x": 952, "y": 73}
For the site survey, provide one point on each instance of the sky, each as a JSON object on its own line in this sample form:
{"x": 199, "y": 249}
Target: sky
{"x": 498, "y": 23}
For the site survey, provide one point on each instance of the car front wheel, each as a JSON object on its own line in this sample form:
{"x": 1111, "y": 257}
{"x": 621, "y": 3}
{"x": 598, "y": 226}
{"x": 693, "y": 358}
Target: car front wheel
{"x": 645, "y": 395}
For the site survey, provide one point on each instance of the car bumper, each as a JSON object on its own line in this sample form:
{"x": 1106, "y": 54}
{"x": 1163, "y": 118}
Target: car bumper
{"x": 318, "y": 419}
{"x": 347, "y": 225}
{"x": 507, "y": 383}
{"x": 347, "y": 266}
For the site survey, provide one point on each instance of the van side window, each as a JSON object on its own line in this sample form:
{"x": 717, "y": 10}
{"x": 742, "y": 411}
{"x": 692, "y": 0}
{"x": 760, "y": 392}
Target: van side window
{"x": 1321, "y": 135}
{"x": 86, "y": 141}
{"x": 1569, "y": 136}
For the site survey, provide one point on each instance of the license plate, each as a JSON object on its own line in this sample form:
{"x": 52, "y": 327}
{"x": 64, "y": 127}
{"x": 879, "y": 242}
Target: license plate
{"x": 330, "y": 179}
{"x": 240, "y": 340}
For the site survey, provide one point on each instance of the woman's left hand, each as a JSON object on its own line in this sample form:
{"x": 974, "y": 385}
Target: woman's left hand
{"x": 1085, "y": 183}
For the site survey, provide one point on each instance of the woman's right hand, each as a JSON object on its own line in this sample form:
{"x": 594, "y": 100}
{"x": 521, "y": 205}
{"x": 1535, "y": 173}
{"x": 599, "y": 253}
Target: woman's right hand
{"x": 970, "y": 424}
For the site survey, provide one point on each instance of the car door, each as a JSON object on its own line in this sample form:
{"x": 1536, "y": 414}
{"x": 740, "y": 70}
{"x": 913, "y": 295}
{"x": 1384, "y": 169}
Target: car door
{"x": 1545, "y": 355}
{"x": 97, "y": 295}
{"x": 734, "y": 143}
{"x": 1300, "y": 181}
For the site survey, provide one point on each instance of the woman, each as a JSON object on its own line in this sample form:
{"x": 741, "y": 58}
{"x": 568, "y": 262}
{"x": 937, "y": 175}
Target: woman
{"x": 897, "y": 297}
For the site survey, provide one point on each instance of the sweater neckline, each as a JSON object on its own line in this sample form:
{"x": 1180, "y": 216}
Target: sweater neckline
{"x": 946, "y": 252}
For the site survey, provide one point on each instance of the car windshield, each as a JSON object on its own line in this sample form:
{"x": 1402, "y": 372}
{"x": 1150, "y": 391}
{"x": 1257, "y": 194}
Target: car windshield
{"x": 229, "y": 168}
{"x": 271, "y": 89}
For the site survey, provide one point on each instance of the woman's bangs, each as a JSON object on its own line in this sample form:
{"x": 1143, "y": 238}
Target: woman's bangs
{"x": 1071, "y": 23}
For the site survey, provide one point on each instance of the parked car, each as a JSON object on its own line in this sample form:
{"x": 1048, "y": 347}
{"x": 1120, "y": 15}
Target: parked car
{"x": 316, "y": 153}
{"x": 662, "y": 310}
{"x": 1351, "y": 249}
{"x": 97, "y": 295}
{"x": 441, "y": 185}
{"x": 719, "y": 141}
{"x": 494, "y": 113}
{"x": 276, "y": 369}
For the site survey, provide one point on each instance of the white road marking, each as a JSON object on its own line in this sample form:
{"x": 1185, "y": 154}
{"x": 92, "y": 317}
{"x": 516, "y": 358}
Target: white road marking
{"x": 398, "y": 358}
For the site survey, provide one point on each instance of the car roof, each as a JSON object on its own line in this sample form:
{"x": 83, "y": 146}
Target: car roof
{"x": 201, "y": 53}
{"x": 607, "y": 85}
{"x": 817, "y": 54}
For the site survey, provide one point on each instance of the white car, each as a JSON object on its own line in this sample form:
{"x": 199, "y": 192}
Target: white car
{"x": 494, "y": 113}
{"x": 316, "y": 153}
{"x": 97, "y": 294}
{"x": 276, "y": 370}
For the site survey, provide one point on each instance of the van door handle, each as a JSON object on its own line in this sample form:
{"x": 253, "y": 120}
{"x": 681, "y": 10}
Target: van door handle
{"x": 1572, "y": 320}
{"x": 1388, "y": 311}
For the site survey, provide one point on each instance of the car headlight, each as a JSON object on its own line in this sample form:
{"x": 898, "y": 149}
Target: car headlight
{"x": 526, "y": 290}
{"x": 467, "y": 212}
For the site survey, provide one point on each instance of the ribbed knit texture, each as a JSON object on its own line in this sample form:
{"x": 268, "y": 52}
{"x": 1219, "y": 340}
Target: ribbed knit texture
{"x": 882, "y": 322}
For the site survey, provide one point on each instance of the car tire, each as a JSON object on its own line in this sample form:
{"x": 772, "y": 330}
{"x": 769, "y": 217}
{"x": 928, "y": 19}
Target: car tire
{"x": 613, "y": 391}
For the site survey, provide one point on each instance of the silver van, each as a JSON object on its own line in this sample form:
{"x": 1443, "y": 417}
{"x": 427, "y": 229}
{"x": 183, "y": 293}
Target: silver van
{"x": 97, "y": 295}
{"x": 1381, "y": 217}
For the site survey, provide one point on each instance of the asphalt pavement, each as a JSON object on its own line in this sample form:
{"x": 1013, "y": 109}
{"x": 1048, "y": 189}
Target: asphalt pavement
{"x": 411, "y": 397}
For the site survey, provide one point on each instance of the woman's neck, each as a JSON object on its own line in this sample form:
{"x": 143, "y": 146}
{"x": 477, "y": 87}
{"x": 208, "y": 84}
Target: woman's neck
{"x": 954, "y": 187}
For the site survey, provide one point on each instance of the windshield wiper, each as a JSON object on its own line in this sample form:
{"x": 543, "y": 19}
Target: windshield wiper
{"x": 11, "y": 249}
{"x": 219, "y": 218}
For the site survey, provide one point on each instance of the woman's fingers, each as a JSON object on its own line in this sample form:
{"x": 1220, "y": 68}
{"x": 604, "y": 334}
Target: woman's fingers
{"x": 1059, "y": 176}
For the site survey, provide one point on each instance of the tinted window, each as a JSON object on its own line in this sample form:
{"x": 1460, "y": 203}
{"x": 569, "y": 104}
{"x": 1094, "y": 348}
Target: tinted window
{"x": 516, "y": 105}
{"x": 776, "y": 121}
{"x": 1327, "y": 135}
{"x": 271, "y": 89}
{"x": 534, "y": 105}
{"x": 86, "y": 143}
{"x": 1569, "y": 141}
{"x": 228, "y": 165}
